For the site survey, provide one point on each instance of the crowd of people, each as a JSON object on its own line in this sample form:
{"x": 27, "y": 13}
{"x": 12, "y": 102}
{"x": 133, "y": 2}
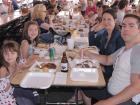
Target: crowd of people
{"x": 114, "y": 29}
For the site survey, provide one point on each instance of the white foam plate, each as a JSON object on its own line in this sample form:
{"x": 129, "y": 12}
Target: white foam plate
{"x": 37, "y": 80}
{"x": 84, "y": 74}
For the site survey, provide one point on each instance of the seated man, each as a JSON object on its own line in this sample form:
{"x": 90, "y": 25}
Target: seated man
{"x": 123, "y": 87}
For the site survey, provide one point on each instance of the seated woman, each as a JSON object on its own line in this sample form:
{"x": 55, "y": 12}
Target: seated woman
{"x": 107, "y": 42}
{"x": 39, "y": 15}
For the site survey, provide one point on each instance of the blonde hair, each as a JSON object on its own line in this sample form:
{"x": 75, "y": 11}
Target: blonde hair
{"x": 37, "y": 12}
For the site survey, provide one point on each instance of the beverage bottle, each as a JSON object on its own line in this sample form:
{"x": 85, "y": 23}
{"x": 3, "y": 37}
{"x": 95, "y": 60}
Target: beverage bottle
{"x": 51, "y": 53}
{"x": 70, "y": 16}
{"x": 64, "y": 63}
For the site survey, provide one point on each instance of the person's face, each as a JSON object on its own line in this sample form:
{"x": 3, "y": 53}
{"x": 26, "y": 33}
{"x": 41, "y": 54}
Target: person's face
{"x": 10, "y": 56}
{"x": 130, "y": 29}
{"x": 108, "y": 21}
{"x": 33, "y": 31}
{"x": 44, "y": 11}
{"x": 99, "y": 11}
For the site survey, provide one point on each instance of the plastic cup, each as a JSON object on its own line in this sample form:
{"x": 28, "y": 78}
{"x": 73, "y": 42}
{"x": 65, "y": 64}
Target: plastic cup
{"x": 70, "y": 44}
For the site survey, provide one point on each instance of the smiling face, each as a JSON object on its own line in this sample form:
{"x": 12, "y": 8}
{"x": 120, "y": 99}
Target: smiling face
{"x": 10, "y": 56}
{"x": 33, "y": 31}
{"x": 130, "y": 29}
{"x": 43, "y": 11}
{"x": 108, "y": 21}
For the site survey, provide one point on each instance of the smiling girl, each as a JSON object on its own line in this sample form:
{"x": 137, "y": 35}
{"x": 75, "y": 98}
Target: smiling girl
{"x": 9, "y": 53}
{"x": 30, "y": 39}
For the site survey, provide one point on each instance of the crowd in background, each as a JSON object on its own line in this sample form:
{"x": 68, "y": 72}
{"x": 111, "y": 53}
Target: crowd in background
{"x": 109, "y": 22}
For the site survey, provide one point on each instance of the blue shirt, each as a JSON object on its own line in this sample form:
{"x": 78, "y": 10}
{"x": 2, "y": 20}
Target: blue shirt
{"x": 39, "y": 22}
{"x": 100, "y": 39}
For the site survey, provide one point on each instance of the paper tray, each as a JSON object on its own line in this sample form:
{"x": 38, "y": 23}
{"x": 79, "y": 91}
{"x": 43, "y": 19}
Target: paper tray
{"x": 84, "y": 74}
{"x": 37, "y": 80}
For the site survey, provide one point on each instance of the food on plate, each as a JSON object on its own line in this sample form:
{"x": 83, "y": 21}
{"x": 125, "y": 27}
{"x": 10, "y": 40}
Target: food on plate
{"x": 42, "y": 45}
{"x": 46, "y": 66}
{"x": 86, "y": 64}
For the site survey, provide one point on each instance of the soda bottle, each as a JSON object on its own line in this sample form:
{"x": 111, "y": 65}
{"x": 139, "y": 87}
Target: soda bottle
{"x": 51, "y": 53}
{"x": 64, "y": 63}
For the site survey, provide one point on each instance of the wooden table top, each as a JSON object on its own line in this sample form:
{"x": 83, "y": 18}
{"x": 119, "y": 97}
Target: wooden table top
{"x": 16, "y": 80}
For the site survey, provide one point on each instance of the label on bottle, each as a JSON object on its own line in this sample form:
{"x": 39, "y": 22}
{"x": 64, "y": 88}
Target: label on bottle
{"x": 64, "y": 67}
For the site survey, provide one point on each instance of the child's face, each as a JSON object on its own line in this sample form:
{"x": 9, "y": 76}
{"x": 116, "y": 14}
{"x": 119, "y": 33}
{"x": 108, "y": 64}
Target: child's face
{"x": 33, "y": 31}
{"x": 10, "y": 56}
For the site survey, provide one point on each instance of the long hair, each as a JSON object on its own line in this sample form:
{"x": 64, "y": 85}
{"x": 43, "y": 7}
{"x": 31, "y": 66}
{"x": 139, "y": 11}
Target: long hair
{"x": 9, "y": 45}
{"x": 37, "y": 12}
{"x": 111, "y": 12}
{"x": 25, "y": 31}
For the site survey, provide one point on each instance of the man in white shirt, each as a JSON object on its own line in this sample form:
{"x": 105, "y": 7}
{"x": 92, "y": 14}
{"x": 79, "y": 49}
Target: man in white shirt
{"x": 124, "y": 84}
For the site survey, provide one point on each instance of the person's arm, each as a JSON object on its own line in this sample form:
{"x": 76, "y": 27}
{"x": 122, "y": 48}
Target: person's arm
{"x": 127, "y": 93}
{"x": 134, "y": 87}
{"x": 24, "y": 49}
{"x": 45, "y": 26}
{"x": 3, "y": 75}
{"x": 103, "y": 59}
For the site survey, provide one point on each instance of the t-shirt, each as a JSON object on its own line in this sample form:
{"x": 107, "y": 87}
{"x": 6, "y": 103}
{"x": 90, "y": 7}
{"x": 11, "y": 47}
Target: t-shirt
{"x": 125, "y": 62}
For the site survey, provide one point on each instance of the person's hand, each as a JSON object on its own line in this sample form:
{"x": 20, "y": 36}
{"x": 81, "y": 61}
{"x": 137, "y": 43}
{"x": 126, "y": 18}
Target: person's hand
{"x": 86, "y": 53}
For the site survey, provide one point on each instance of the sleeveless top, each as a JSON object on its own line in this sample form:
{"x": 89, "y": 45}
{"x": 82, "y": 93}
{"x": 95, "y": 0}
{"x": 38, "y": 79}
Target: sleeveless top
{"x": 30, "y": 52}
{"x": 6, "y": 97}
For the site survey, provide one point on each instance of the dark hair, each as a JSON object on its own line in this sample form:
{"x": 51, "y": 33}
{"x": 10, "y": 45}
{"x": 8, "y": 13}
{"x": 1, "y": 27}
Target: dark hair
{"x": 105, "y": 7}
{"x": 133, "y": 16}
{"x": 99, "y": 4}
{"x": 122, "y": 4}
{"x": 111, "y": 12}
{"x": 25, "y": 31}
{"x": 11, "y": 46}
{"x": 36, "y": 2}
{"x": 115, "y": 4}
